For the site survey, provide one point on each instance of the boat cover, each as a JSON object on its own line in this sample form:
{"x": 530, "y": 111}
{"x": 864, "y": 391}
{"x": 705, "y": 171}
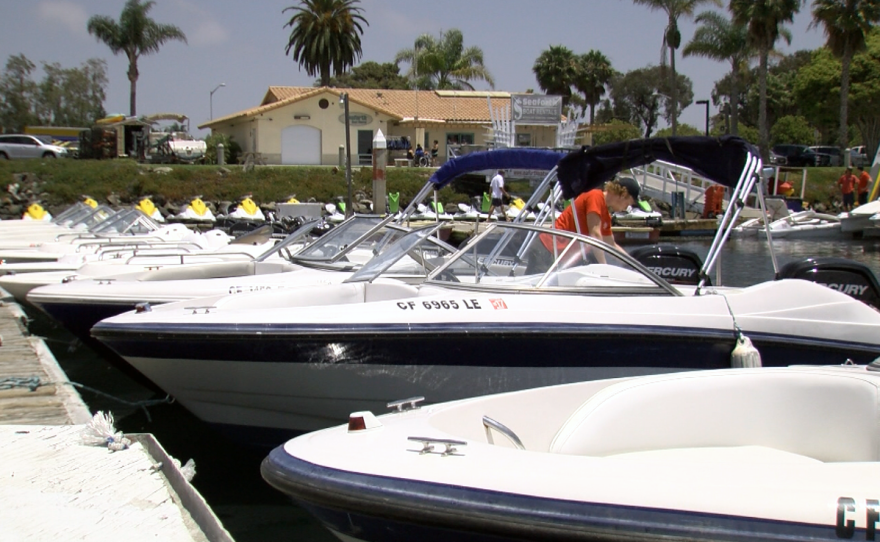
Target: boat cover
{"x": 720, "y": 159}
{"x": 542, "y": 159}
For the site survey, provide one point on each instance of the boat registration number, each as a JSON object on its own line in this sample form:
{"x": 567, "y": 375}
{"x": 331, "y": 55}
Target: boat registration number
{"x": 846, "y": 512}
{"x": 440, "y": 304}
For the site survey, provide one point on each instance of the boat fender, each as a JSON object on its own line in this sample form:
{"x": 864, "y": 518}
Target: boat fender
{"x": 744, "y": 353}
{"x": 847, "y": 276}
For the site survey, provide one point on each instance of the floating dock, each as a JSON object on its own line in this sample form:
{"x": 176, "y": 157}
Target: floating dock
{"x": 54, "y": 486}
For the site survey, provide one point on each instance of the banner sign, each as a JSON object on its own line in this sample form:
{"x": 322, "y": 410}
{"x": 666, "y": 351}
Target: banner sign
{"x": 536, "y": 108}
{"x": 356, "y": 119}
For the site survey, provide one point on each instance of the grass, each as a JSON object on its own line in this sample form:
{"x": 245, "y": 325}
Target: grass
{"x": 58, "y": 183}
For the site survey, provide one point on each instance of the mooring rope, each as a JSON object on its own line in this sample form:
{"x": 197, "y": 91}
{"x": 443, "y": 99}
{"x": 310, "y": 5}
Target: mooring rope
{"x": 34, "y": 382}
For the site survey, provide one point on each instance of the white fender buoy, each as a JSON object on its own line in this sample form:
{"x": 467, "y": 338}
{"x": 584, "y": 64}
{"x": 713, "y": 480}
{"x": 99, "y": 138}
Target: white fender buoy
{"x": 744, "y": 353}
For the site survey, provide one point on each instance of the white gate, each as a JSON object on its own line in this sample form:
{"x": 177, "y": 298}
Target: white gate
{"x": 301, "y": 145}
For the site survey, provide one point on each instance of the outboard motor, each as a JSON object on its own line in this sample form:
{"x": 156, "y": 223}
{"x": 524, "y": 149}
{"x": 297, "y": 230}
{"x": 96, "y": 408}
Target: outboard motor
{"x": 850, "y": 277}
{"x": 673, "y": 264}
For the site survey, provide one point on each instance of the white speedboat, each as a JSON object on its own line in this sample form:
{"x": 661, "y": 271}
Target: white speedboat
{"x": 333, "y": 257}
{"x": 859, "y": 218}
{"x": 483, "y": 322}
{"x": 804, "y": 225}
{"x": 773, "y": 454}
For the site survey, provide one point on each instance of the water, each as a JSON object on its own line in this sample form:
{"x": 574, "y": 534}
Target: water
{"x": 228, "y": 474}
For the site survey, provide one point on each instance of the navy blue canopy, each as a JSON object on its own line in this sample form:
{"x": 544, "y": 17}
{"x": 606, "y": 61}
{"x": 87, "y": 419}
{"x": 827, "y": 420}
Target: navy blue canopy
{"x": 719, "y": 159}
{"x": 516, "y": 158}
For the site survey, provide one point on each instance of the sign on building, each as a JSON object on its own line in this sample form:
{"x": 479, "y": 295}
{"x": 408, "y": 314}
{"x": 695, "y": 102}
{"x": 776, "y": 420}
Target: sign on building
{"x": 536, "y": 108}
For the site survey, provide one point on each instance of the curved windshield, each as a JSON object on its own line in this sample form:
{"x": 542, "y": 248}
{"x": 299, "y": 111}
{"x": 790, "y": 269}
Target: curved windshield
{"x": 415, "y": 253}
{"x": 330, "y": 246}
{"x": 529, "y": 258}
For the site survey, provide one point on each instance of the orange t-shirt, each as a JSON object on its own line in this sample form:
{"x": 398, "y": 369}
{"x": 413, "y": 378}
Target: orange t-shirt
{"x": 864, "y": 181}
{"x": 847, "y": 182}
{"x": 592, "y": 201}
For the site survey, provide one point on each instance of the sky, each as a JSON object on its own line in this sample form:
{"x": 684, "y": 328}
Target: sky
{"x": 241, "y": 44}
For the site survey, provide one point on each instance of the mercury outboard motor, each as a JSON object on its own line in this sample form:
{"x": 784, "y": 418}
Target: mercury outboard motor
{"x": 850, "y": 277}
{"x": 673, "y": 264}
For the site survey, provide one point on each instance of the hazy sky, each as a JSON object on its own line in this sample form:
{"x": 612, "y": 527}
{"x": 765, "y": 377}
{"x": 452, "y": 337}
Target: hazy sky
{"x": 241, "y": 43}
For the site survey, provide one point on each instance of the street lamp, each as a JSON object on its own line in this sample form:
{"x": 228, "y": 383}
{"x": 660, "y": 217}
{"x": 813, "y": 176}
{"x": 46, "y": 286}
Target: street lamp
{"x": 706, "y": 103}
{"x": 212, "y": 98}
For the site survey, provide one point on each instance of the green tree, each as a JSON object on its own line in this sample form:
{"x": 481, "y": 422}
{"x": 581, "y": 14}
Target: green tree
{"x": 372, "y": 75}
{"x": 17, "y": 94}
{"x": 682, "y": 130}
{"x": 444, "y": 63}
{"x": 556, "y": 70}
{"x": 816, "y": 90}
{"x": 846, "y": 23}
{"x": 325, "y": 36}
{"x": 792, "y": 129}
{"x": 636, "y": 92}
{"x": 672, "y": 40}
{"x": 718, "y": 38}
{"x": 764, "y": 20}
{"x": 72, "y": 96}
{"x": 614, "y": 131}
{"x": 864, "y": 91}
{"x": 594, "y": 72}
{"x": 135, "y": 35}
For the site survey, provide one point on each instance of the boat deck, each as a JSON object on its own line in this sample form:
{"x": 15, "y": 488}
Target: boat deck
{"x": 55, "y": 487}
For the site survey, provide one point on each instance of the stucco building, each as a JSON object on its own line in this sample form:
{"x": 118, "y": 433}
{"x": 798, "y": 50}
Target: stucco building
{"x": 306, "y": 125}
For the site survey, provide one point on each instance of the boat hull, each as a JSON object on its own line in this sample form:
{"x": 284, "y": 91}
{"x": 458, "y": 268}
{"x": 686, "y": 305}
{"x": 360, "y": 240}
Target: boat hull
{"x": 357, "y": 506}
{"x": 298, "y": 377}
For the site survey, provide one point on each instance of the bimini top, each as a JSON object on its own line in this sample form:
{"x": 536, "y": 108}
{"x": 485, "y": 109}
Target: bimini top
{"x": 498, "y": 159}
{"x": 719, "y": 159}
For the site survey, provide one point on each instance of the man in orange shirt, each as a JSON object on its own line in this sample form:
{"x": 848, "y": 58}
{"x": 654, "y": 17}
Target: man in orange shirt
{"x": 847, "y": 183}
{"x": 864, "y": 183}
{"x": 593, "y": 217}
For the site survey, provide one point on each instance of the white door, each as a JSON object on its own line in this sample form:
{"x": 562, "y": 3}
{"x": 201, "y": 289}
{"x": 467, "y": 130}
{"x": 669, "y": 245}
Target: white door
{"x": 301, "y": 145}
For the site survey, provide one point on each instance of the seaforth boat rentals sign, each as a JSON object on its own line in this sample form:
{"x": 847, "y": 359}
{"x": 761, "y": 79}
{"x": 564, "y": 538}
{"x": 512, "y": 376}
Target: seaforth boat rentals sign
{"x": 536, "y": 108}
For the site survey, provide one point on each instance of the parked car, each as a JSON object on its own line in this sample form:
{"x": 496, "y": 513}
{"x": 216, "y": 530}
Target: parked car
{"x": 29, "y": 146}
{"x": 794, "y": 155}
{"x": 858, "y": 156}
{"x": 828, "y": 156}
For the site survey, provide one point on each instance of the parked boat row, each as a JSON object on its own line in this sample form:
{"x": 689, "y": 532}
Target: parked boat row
{"x": 371, "y": 314}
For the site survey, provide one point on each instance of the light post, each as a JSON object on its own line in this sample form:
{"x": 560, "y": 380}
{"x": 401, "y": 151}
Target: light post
{"x": 706, "y": 103}
{"x": 212, "y": 98}
{"x": 343, "y": 102}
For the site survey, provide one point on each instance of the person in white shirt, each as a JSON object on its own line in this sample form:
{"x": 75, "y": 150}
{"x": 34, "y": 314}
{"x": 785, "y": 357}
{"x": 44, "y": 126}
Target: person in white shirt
{"x": 496, "y": 188}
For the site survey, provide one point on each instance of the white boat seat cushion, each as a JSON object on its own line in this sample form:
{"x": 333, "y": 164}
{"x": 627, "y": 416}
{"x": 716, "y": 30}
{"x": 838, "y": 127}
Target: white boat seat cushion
{"x": 831, "y": 417}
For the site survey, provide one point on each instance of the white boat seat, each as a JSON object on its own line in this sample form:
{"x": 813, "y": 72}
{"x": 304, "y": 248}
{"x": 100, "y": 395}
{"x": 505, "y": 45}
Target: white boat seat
{"x": 809, "y": 412}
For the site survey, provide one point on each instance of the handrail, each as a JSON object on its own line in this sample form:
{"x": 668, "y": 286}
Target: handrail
{"x": 489, "y": 424}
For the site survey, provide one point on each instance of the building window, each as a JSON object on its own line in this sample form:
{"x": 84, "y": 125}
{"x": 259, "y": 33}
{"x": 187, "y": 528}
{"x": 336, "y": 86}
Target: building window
{"x": 323, "y": 103}
{"x": 459, "y": 139}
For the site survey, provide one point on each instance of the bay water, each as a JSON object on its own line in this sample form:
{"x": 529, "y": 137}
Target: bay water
{"x": 228, "y": 473}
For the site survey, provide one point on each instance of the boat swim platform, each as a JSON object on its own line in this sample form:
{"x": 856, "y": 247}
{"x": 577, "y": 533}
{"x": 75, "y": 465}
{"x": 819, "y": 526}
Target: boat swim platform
{"x": 53, "y": 486}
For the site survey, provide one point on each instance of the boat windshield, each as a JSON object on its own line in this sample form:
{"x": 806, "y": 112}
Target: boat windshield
{"x": 293, "y": 242}
{"x": 415, "y": 253}
{"x": 77, "y": 209}
{"x": 93, "y": 218}
{"x": 331, "y": 246}
{"x": 128, "y": 221}
{"x": 533, "y": 258}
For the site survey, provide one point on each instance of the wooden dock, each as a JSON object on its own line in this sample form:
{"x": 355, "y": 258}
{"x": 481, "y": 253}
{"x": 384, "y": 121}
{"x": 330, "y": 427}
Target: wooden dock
{"x": 54, "y": 486}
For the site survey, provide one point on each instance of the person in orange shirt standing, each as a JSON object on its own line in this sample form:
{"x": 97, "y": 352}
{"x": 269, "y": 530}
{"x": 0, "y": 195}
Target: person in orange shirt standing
{"x": 847, "y": 183}
{"x": 864, "y": 184}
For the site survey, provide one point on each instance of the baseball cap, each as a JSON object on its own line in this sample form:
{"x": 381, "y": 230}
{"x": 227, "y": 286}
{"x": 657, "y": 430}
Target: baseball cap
{"x": 631, "y": 186}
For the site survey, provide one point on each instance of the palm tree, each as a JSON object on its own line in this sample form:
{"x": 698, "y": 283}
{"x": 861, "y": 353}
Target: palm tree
{"x": 764, "y": 20}
{"x": 135, "y": 35}
{"x": 672, "y": 40}
{"x": 444, "y": 63}
{"x": 847, "y": 23}
{"x": 720, "y": 39}
{"x": 556, "y": 70}
{"x": 594, "y": 72}
{"x": 325, "y": 36}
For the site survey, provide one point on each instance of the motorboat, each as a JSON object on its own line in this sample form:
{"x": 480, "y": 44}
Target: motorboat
{"x": 859, "y": 218}
{"x": 766, "y": 454}
{"x": 484, "y": 322}
{"x": 28, "y": 235}
{"x": 329, "y": 259}
{"x": 209, "y": 247}
{"x": 807, "y": 224}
